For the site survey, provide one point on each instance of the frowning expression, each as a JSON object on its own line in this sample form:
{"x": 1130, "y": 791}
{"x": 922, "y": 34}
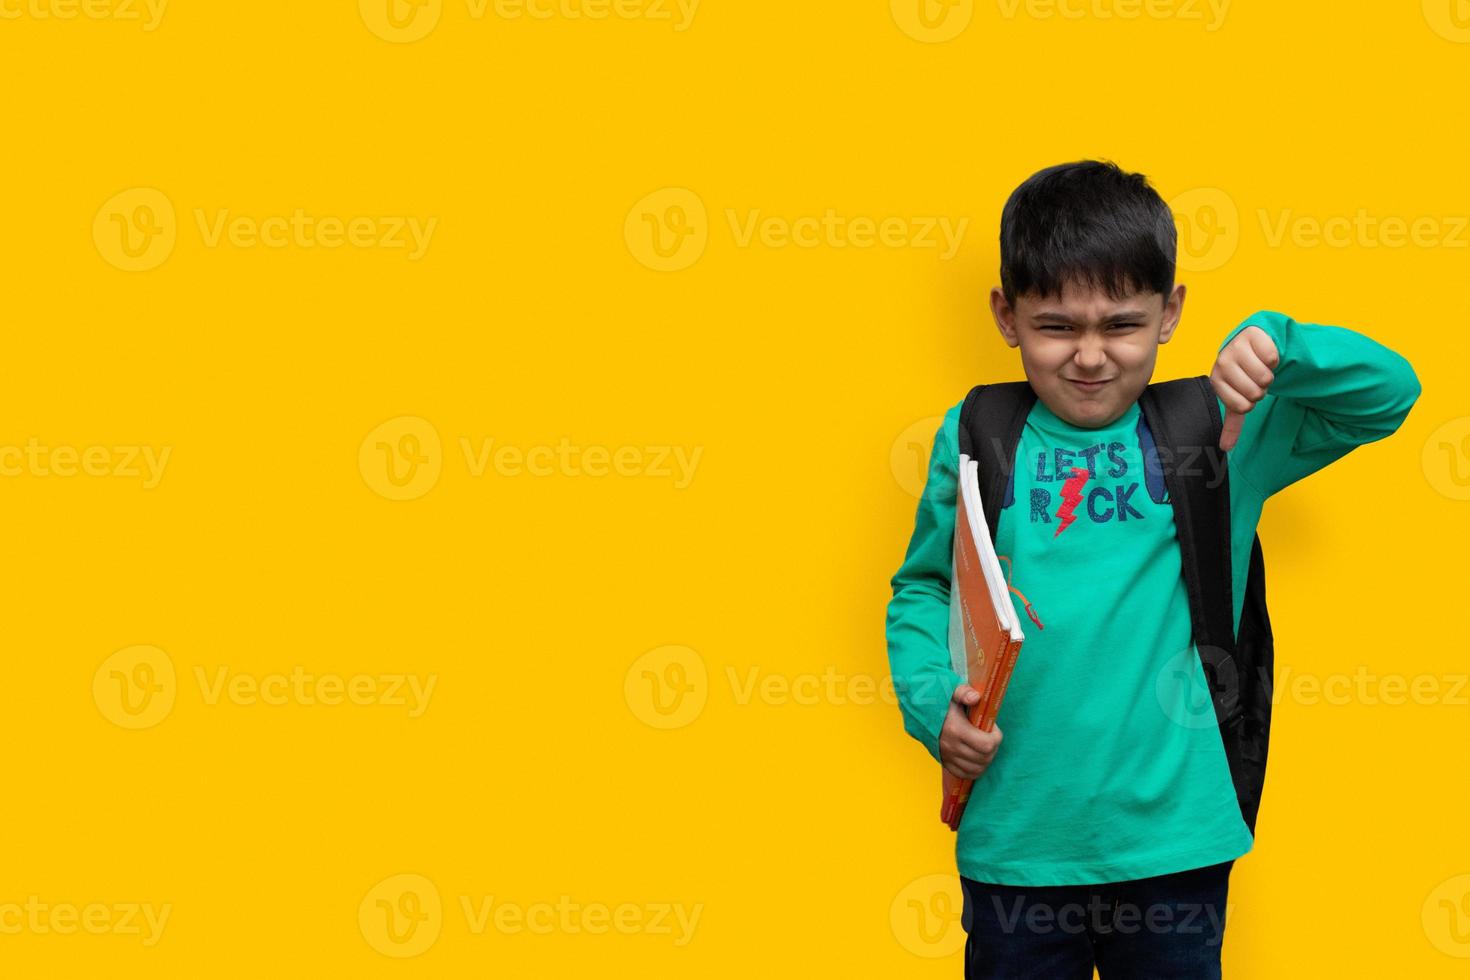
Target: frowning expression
{"x": 1088, "y": 355}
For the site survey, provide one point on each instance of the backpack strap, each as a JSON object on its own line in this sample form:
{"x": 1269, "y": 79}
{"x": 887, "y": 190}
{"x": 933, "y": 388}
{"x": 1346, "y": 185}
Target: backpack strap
{"x": 1185, "y": 421}
{"x": 991, "y": 421}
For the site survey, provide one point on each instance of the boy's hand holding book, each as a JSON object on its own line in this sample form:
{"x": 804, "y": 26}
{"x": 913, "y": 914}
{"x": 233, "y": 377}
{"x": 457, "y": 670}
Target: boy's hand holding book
{"x": 985, "y": 638}
{"x": 965, "y": 750}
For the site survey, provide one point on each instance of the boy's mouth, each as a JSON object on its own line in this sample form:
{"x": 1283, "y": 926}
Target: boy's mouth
{"x": 1090, "y": 385}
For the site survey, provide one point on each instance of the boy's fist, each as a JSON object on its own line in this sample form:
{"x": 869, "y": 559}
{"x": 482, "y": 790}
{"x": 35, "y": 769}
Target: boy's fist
{"x": 965, "y": 750}
{"x": 1242, "y": 373}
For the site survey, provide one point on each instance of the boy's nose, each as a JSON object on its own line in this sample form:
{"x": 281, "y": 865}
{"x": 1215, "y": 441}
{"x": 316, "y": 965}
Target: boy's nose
{"x": 1090, "y": 355}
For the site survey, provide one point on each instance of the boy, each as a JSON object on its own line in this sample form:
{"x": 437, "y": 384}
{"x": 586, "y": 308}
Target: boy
{"x": 1102, "y": 832}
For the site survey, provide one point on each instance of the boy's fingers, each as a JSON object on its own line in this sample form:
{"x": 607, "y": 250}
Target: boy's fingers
{"x": 1247, "y": 380}
{"x": 1264, "y": 347}
{"x": 983, "y": 742}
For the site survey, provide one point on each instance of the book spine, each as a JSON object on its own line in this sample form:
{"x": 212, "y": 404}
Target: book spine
{"x": 1003, "y": 678}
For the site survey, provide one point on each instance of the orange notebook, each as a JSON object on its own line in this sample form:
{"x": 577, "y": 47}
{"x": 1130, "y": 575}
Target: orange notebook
{"x": 985, "y": 633}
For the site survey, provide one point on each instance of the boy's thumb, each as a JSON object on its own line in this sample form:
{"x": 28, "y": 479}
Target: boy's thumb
{"x": 966, "y": 695}
{"x": 1230, "y": 431}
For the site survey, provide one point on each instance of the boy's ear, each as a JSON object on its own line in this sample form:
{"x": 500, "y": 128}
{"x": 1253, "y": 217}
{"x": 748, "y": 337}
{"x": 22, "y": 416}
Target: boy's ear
{"x": 1005, "y": 316}
{"x": 1173, "y": 310}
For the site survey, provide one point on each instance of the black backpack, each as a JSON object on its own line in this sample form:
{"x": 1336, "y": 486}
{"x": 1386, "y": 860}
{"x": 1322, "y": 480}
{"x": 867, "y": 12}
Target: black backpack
{"x": 1184, "y": 419}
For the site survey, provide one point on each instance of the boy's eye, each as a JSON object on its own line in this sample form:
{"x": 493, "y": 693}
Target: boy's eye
{"x": 1111, "y": 326}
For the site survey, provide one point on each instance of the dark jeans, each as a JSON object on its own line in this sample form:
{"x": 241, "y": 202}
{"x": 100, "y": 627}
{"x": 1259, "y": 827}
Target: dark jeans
{"x": 1168, "y": 926}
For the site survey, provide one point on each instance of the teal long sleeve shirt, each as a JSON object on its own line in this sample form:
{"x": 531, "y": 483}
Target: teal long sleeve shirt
{"x": 1111, "y": 767}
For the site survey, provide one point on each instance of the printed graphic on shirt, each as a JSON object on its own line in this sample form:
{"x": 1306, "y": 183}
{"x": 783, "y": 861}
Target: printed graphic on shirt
{"x": 1103, "y": 489}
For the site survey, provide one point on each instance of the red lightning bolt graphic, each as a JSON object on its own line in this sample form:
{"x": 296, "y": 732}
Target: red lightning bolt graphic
{"x": 1071, "y": 497}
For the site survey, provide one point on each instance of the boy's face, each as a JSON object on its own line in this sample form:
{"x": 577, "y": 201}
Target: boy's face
{"x": 1085, "y": 335}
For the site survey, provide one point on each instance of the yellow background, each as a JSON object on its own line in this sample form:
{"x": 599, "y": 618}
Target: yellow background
{"x": 803, "y": 828}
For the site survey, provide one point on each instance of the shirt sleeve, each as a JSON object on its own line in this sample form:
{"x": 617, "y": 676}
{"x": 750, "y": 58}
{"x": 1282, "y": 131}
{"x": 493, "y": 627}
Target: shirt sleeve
{"x": 1334, "y": 389}
{"x": 918, "y": 614}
